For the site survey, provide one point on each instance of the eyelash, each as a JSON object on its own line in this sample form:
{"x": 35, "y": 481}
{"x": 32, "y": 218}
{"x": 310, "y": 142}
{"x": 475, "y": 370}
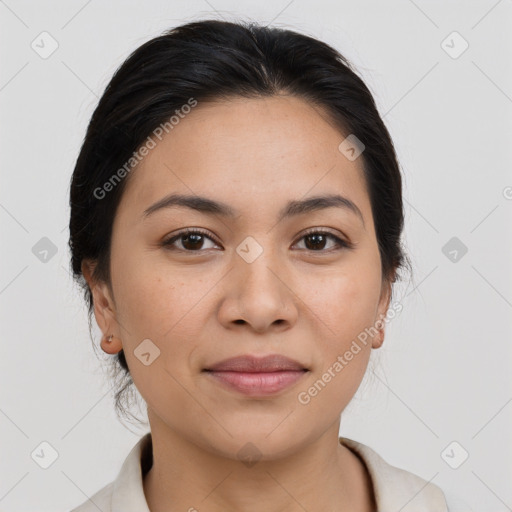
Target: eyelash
{"x": 342, "y": 244}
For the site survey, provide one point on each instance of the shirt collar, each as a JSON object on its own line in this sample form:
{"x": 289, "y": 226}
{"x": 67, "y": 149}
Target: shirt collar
{"x": 128, "y": 491}
{"x": 394, "y": 488}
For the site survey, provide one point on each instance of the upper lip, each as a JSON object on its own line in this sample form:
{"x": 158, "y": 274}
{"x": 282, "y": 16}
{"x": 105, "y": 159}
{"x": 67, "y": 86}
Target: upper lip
{"x": 254, "y": 364}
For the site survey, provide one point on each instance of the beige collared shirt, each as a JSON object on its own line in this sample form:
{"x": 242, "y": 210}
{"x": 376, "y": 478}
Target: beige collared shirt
{"x": 396, "y": 490}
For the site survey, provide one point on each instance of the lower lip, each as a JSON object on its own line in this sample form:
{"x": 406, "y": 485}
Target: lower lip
{"x": 258, "y": 384}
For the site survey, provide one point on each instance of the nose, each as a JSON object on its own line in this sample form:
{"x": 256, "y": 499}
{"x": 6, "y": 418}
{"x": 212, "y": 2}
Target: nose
{"x": 257, "y": 295}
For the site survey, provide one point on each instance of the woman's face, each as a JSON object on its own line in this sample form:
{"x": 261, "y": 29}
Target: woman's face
{"x": 251, "y": 282}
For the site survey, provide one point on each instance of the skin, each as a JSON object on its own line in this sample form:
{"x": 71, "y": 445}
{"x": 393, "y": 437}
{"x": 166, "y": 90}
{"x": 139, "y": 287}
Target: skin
{"x": 208, "y": 304}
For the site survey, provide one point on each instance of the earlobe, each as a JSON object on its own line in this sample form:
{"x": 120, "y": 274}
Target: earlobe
{"x": 105, "y": 317}
{"x": 111, "y": 344}
{"x": 378, "y": 340}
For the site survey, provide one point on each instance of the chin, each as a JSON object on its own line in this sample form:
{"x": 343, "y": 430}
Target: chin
{"x": 257, "y": 444}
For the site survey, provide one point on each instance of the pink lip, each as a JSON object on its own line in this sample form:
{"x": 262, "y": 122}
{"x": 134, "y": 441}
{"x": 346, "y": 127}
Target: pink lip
{"x": 249, "y": 364}
{"x": 257, "y": 376}
{"x": 258, "y": 383}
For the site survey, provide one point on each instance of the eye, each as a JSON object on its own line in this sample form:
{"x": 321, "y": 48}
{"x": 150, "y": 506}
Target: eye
{"x": 316, "y": 241}
{"x": 191, "y": 240}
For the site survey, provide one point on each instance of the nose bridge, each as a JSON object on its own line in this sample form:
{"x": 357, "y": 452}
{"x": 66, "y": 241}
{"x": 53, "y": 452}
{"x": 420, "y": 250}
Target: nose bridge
{"x": 261, "y": 296}
{"x": 259, "y": 266}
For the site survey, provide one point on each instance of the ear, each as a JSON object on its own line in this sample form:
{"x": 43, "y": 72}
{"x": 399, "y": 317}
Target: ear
{"x": 382, "y": 309}
{"x": 104, "y": 308}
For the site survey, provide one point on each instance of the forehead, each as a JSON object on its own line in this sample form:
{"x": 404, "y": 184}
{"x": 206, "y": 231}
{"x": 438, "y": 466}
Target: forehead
{"x": 249, "y": 153}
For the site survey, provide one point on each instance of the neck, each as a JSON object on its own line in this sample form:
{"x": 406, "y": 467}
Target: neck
{"x": 322, "y": 475}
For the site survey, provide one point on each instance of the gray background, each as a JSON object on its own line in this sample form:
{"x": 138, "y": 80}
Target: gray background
{"x": 443, "y": 374}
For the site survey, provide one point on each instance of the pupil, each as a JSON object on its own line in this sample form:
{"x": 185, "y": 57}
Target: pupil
{"x": 317, "y": 238}
{"x": 193, "y": 239}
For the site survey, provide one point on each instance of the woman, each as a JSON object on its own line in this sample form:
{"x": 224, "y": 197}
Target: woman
{"x": 236, "y": 214}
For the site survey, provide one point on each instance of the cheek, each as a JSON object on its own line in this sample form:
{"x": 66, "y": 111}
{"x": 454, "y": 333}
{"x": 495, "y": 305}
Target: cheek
{"x": 158, "y": 309}
{"x": 146, "y": 305}
{"x": 151, "y": 296}
{"x": 344, "y": 304}
{"x": 344, "y": 312}
{"x": 154, "y": 302}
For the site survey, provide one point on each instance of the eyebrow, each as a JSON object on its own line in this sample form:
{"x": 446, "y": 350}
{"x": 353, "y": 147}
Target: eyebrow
{"x": 291, "y": 209}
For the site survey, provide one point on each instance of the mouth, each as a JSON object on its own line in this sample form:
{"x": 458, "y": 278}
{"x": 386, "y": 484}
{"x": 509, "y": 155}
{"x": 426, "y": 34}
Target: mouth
{"x": 257, "y": 376}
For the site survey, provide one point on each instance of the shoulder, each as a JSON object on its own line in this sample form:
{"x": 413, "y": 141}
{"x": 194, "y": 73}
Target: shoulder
{"x": 101, "y": 500}
{"x": 398, "y": 489}
{"x": 126, "y": 492}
